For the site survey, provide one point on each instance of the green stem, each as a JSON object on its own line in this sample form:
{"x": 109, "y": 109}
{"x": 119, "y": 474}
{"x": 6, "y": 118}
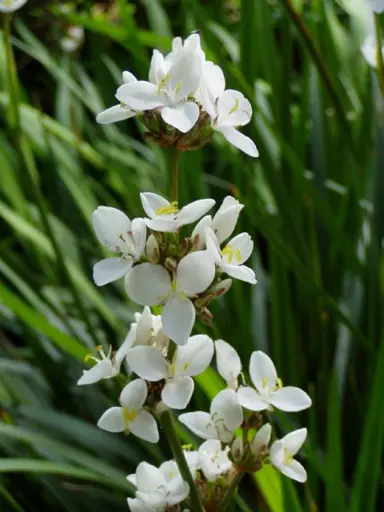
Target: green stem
{"x": 167, "y": 421}
{"x": 379, "y": 53}
{"x": 33, "y": 174}
{"x": 174, "y": 176}
{"x": 230, "y": 491}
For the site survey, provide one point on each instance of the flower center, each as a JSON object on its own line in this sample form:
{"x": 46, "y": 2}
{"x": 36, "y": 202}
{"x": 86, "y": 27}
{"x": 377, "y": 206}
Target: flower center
{"x": 231, "y": 253}
{"x": 277, "y": 385}
{"x": 168, "y": 210}
{"x": 288, "y": 457}
{"x": 129, "y": 416}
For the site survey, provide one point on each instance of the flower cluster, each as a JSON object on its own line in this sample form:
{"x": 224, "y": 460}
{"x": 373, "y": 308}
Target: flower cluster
{"x": 184, "y": 100}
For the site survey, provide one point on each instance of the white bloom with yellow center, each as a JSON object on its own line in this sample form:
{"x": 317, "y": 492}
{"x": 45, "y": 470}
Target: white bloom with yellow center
{"x": 166, "y": 217}
{"x": 131, "y": 417}
{"x": 282, "y": 454}
{"x": 151, "y": 285}
{"x": 121, "y": 235}
{"x": 188, "y": 361}
{"x": 147, "y": 330}
{"x": 11, "y": 5}
{"x": 230, "y": 259}
{"x": 269, "y": 390}
{"x": 214, "y": 461}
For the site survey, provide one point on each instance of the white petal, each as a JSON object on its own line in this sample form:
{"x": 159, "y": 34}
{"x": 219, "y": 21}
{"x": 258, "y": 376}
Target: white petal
{"x": 225, "y": 220}
{"x": 136, "y": 505}
{"x": 128, "y": 77}
{"x": 114, "y": 114}
{"x": 242, "y": 247}
{"x": 152, "y": 202}
{"x": 193, "y": 461}
{"x": 295, "y": 471}
{"x": 110, "y": 269}
{"x": 148, "y": 363}
{"x": 213, "y": 246}
{"x": 134, "y": 394}
{"x": 239, "y": 140}
{"x": 139, "y": 96}
{"x": 212, "y": 85}
{"x": 178, "y": 492}
{"x": 139, "y": 235}
{"x": 178, "y": 317}
{"x": 109, "y": 225}
{"x": 262, "y": 371}
{"x": 262, "y": 438}
{"x": 377, "y": 5}
{"x": 102, "y": 370}
{"x": 193, "y": 211}
{"x": 12, "y": 6}
{"x": 290, "y": 399}
{"x": 295, "y": 440}
{"x": 144, "y": 329}
{"x": 276, "y": 453}
{"x": 177, "y": 392}
{"x": 194, "y": 357}
{"x": 250, "y": 399}
{"x": 233, "y": 109}
{"x": 200, "y": 423}
{"x": 368, "y": 49}
{"x": 226, "y": 406}
{"x": 112, "y": 420}
{"x": 145, "y": 427}
{"x": 154, "y": 500}
{"x": 227, "y": 361}
{"x": 182, "y": 116}
{"x": 195, "y": 272}
{"x": 149, "y": 478}
{"x": 198, "y": 234}
{"x": 241, "y": 272}
{"x": 163, "y": 224}
{"x": 185, "y": 74}
{"x": 132, "y": 479}
{"x": 170, "y": 470}
{"x": 147, "y": 284}
{"x": 157, "y": 70}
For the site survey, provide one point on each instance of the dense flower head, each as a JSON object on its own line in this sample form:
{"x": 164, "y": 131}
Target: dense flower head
{"x": 184, "y": 100}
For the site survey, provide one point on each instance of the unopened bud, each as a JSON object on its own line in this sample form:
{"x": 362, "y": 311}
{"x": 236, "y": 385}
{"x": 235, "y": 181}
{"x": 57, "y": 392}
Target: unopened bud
{"x": 152, "y": 250}
{"x": 220, "y": 288}
{"x": 203, "y": 301}
{"x": 170, "y": 264}
{"x": 237, "y": 449}
{"x": 184, "y": 248}
{"x": 205, "y": 316}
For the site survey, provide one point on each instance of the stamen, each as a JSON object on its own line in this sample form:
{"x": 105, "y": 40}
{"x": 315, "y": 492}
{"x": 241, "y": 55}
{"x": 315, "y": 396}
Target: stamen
{"x": 87, "y": 358}
{"x": 265, "y": 382}
{"x": 163, "y": 82}
{"x": 168, "y": 210}
{"x": 129, "y": 416}
{"x": 179, "y": 86}
{"x": 228, "y": 250}
{"x": 238, "y": 255}
{"x": 186, "y": 366}
{"x": 288, "y": 457}
{"x": 235, "y": 107}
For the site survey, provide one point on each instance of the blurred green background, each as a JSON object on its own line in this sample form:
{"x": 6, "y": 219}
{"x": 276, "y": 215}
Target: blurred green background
{"x": 314, "y": 206}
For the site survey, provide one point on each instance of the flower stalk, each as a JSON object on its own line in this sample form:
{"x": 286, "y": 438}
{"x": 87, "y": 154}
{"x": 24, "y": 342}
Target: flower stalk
{"x": 230, "y": 491}
{"x": 174, "y": 176}
{"x": 167, "y": 421}
{"x": 379, "y": 53}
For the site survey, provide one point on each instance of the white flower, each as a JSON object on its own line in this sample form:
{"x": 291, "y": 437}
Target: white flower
{"x": 212, "y": 85}
{"x": 228, "y": 363}
{"x": 106, "y": 367}
{"x": 261, "y": 439}
{"x": 157, "y": 488}
{"x": 118, "y": 112}
{"x": 214, "y": 461}
{"x": 150, "y": 285}
{"x": 224, "y": 418}
{"x": 269, "y": 389}
{"x": 230, "y": 259}
{"x": 11, "y": 5}
{"x": 171, "y": 82}
{"x": 131, "y": 417}
{"x": 376, "y": 5}
{"x": 282, "y": 452}
{"x": 368, "y": 49}
{"x": 188, "y": 361}
{"x": 73, "y": 38}
{"x": 165, "y": 216}
{"x": 116, "y": 232}
{"x": 222, "y": 224}
{"x": 147, "y": 330}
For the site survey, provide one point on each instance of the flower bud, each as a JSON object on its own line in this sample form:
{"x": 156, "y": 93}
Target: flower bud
{"x": 220, "y": 288}
{"x": 203, "y": 301}
{"x": 170, "y": 264}
{"x": 237, "y": 449}
{"x": 261, "y": 440}
{"x": 152, "y": 250}
{"x": 205, "y": 316}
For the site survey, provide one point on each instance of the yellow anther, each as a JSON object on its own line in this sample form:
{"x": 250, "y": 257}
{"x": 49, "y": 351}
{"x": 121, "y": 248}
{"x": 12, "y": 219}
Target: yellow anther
{"x": 238, "y": 255}
{"x": 228, "y": 251}
{"x": 99, "y": 348}
{"x": 179, "y": 86}
{"x": 186, "y": 366}
{"x": 288, "y": 457}
{"x": 235, "y": 107}
{"x": 265, "y": 382}
{"x": 163, "y": 82}
{"x": 129, "y": 416}
{"x": 168, "y": 210}
{"x": 279, "y": 383}
{"x": 87, "y": 358}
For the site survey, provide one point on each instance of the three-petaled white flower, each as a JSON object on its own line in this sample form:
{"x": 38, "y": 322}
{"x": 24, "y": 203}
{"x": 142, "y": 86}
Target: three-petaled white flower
{"x": 282, "y": 452}
{"x": 150, "y": 285}
{"x": 222, "y": 224}
{"x": 11, "y": 5}
{"x": 228, "y": 363}
{"x": 377, "y": 5}
{"x": 172, "y": 80}
{"x": 224, "y": 418}
{"x": 166, "y": 217}
{"x": 269, "y": 389}
{"x": 118, "y": 112}
{"x": 107, "y": 366}
{"x": 157, "y": 488}
{"x": 230, "y": 259}
{"x": 116, "y": 232}
{"x": 228, "y": 108}
{"x": 131, "y": 417}
{"x": 147, "y": 330}
{"x": 213, "y": 461}
{"x": 188, "y": 361}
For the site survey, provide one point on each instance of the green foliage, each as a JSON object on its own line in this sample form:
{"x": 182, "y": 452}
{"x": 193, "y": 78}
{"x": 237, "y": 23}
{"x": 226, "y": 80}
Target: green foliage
{"x": 314, "y": 206}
